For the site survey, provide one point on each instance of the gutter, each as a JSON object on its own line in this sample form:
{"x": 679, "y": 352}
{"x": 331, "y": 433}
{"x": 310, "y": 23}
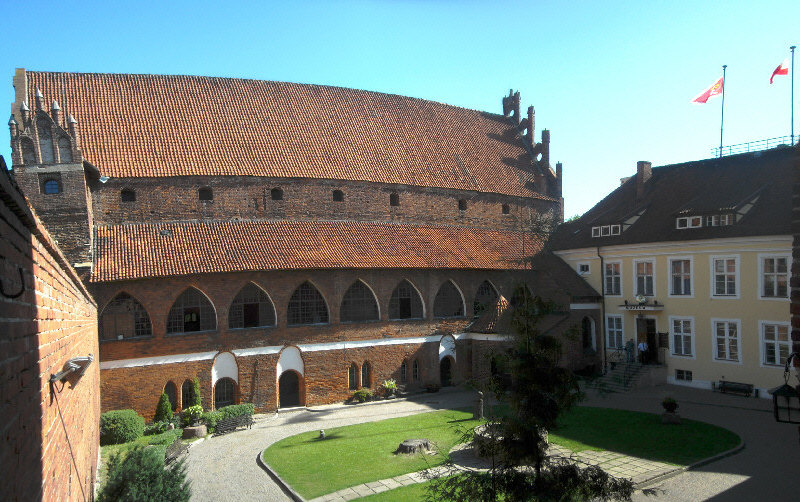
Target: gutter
{"x": 603, "y": 308}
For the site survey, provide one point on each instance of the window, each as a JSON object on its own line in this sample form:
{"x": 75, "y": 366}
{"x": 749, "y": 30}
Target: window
{"x": 462, "y": 205}
{"x": 719, "y": 220}
{"x": 506, "y": 209}
{"x": 172, "y": 394}
{"x": 522, "y": 296}
{"x": 50, "y": 183}
{"x": 681, "y": 274}
{"x": 724, "y": 276}
{"x": 448, "y": 301}
{"x": 726, "y": 340}
{"x": 46, "y": 143}
{"x": 689, "y": 222}
{"x": 276, "y": 194}
{"x": 187, "y": 394}
{"x": 338, "y": 196}
{"x": 64, "y": 150}
{"x": 614, "y": 332}
{"x": 775, "y": 277}
{"x": 415, "y": 371}
{"x": 127, "y": 195}
{"x": 359, "y": 304}
{"x": 251, "y": 308}
{"x": 28, "y": 152}
{"x": 403, "y": 372}
{"x": 485, "y": 299}
{"x": 306, "y": 306}
{"x": 587, "y": 334}
{"x": 777, "y": 343}
{"x": 124, "y": 317}
{"x": 584, "y": 269}
{"x": 606, "y": 230}
{"x": 685, "y": 375}
{"x": 405, "y": 302}
{"x": 224, "y": 393}
{"x": 352, "y": 377}
{"x": 682, "y": 336}
{"x": 644, "y": 277}
{"x": 613, "y": 279}
{"x": 191, "y": 312}
{"x": 365, "y": 375}
{"x": 394, "y": 199}
{"x": 205, "y": 194}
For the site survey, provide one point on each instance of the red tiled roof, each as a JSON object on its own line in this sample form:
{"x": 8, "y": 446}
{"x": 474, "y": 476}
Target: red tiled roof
{"x": 161, "y": 125}
{"x": 181, "y": 248}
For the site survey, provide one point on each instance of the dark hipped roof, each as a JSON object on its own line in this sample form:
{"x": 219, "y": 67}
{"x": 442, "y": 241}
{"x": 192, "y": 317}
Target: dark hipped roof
{"x": 712, "y": 186}
{"x": 167, "y": 125}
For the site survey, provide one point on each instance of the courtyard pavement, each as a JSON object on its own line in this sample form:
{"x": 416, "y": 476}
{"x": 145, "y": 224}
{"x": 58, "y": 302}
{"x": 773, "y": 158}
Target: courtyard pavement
{"x": 768, "y": 468}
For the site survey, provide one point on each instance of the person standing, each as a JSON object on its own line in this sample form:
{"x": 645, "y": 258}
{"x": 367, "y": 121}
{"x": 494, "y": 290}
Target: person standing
{"x": 643, "y": 352}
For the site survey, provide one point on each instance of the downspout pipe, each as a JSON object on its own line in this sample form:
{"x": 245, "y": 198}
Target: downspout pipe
{"x": 603, "y": 309}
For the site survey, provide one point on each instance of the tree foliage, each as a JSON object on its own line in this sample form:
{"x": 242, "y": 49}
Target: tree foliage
{"x": 163, "y": 409}
{"x": 139, "y": 475}
{"x": 539, "y": 391}
{"x": 196, "y": 396}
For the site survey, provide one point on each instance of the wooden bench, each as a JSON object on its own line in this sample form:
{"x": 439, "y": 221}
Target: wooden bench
{"x": 745, "y": 389}
{"x": 175, "y": 450}
{"x": 230, "y": 424}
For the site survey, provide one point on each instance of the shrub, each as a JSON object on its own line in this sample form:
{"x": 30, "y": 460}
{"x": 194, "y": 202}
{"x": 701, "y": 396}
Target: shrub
{"x": 196, "y": 399}
{"x": 156, "y": 428}
{"x": 669, "y": 404}
{"x": 163, "y": 409}
{"x": 120, "y": 426}
{"x": 235, "y": 410}
{"x": 192, "y": 415}
{"x": 210, "y": 418}
{"x": 389, "y": 386}
{"x": 362, "y": 395}
{"x": 140, "y": 475}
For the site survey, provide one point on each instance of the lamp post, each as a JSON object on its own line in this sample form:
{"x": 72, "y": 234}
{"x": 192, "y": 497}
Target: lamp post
{"x": 785, "y": 398}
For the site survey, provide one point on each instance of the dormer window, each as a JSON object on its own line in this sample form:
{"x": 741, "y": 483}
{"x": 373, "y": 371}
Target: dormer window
{"x": 127, "y": 195}
{"x": 606, "y": 230}
{"x": 394, "y": 199}
{"x": 205, "y": 194}
{"x": 338, "y": 196}
{"x": 719, "y": 220}
{"x": 276, "y": 194}
{"x": 689, "y": 222}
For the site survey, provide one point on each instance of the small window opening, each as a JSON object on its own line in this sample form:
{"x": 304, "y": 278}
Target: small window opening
{"x": 394, "y": 199}
{"x": 506, "y": 209}
{"x": 338, "y": 196}
{"x": 128, "y": 195}
{"x": 51, "y": 185}
{"x": 205, "y": 194}
{"x": 462, "y": 205}
{"x": 276, "y": 194}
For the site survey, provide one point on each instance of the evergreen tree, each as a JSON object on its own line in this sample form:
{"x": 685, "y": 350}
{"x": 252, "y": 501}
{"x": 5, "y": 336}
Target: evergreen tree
{"x": 196, "y": 398}
{"x": 163, "y": 409}
{"x": 139, "y": 475}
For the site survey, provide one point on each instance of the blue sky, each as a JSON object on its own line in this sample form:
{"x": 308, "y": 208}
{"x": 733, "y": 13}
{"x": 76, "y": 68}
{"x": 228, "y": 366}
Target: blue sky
{"x": 611, "y": 80}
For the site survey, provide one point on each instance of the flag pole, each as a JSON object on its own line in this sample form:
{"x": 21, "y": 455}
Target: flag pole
{"x": 792, "y": 107}
{"x": 722, "y": 115}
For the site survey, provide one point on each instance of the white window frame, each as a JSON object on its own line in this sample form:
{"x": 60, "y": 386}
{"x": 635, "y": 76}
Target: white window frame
{"x": 688, "y": 222}
{"x": 621, "y": 284}
{"x": 692, "y": 337}
{"x": 738, "y": 323}
{"x": 652, "y": 262}
{"x": 762, "y": 342}
{"x": 670, "y": 292}
{"x": 766, "y": 256}
{"x": 713, "y": 282}
{"x": 595, "y": 231}
{"x": 606, "y": 230}
{"x": 588, "y": 268}
{"x": 622, "y": 331}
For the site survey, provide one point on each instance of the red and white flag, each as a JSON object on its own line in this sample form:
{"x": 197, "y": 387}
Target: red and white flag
{"x": 711, "y": 91}
{"x": 782, "y": 69}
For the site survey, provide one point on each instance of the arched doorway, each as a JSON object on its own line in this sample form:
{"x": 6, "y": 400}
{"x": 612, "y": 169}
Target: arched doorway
{"x": 289, "y": 389}
{"x": 446, "y": 371}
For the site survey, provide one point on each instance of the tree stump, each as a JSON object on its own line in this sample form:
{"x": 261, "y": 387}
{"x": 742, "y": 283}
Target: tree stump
{"x": 414, "y": 446}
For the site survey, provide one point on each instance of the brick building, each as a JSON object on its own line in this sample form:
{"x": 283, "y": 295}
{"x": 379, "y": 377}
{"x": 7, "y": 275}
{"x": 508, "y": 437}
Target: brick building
{"x": 286, "y": 243}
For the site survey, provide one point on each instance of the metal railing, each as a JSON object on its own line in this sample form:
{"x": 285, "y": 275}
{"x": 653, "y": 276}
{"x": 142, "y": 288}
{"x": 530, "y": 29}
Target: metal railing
{"x": 753, "y": 146}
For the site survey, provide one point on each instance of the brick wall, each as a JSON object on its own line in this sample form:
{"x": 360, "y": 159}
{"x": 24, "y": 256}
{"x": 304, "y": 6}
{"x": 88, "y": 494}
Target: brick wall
{"x": 49, "y": 438}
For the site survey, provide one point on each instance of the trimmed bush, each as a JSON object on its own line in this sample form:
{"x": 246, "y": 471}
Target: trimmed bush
{"x": 362, "y": 395}
{"x": 139, "y": 474}
{"x": 196, "y": 399}
{"x": 192, "y": 414}
{"x": 156, "y": 428}
{"x": 235, "y": 410}
{"x": 164, "y": 409}
{"x": 210, "y": 418}
{"x": 120, "y": 426}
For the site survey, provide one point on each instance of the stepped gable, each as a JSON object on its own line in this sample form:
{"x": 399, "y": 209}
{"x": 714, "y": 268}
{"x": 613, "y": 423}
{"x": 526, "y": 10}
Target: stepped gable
{"x": 166, "y": 125}
{"x": 182, "y": 248}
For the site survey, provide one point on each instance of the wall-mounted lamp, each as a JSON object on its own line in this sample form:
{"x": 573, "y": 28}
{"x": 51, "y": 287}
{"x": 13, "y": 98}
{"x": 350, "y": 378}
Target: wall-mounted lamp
{"x": 785, "y": 398}
{"x": 76, "y": 365}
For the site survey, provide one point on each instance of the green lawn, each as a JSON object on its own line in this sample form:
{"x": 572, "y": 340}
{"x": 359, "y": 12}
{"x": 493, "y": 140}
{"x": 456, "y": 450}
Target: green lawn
{"x": 402, "y": 494}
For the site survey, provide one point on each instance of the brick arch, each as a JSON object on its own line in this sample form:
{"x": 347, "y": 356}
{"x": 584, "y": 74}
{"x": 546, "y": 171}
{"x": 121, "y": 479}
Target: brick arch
{"x": 419, "y": 297}
{"x": 476, "y": 305}
{"x": 437, "y": 306}
{"x": 374, "y": 298}
{"x": 142, "y": 324}
{"x": 324, "y": 301}
{"x": 268, "y": 299}
{"x": 172, "y": 315}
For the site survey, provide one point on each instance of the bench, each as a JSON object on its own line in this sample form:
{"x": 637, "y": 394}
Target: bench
{"x": 175, "y": 450}
{"x": 230, "y": 424}
{"x": 745, "y": 389}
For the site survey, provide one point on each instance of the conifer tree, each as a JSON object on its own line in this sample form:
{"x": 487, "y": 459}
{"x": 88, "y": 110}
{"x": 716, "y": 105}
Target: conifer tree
{"x": 163, "y": 409}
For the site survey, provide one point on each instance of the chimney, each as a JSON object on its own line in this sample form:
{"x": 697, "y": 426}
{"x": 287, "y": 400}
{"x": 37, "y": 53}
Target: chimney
{"x": 644, "y": 172}
{"x": 55, "y": 111}
{"x": 511, "y": 105}
{"x": 531, "y": 127}
{"x": 546, "y": 148}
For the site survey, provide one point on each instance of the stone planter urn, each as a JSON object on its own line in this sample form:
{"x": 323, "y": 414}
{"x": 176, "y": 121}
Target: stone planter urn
{"x": 194, "y": 431}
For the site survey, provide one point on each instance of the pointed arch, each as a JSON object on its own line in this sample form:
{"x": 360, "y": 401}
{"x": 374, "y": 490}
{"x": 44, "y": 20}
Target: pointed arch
{"x": 187, "y": 394}
{"x": 225, "y": 391}
{"x": 449, "y": 301}
{"x": 522, "y": 294}
{"x": 45, "y": 141}
{"x": 172, "y": 394}
{"x": 366, "y": 374}
{"x": 359, "y": 304}
{"x": 485, "y": 298}
{"x": 352, "y": 377}
{"x": 251, "y": 308}
{"x": 307, "y": 306}
{"x": 191, "y": 312}
{"x": 124, "y": 317}
{"x": 406, "y": 302}
{"x": 290, "y": 359}
{"x": 28, "y": 151}
{"x": 225, "y": 366}
{"x": 64, "y": 150}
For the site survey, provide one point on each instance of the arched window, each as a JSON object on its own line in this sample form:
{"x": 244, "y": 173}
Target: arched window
{"x": 127, "y": 195}
{"x": 587, "y": 333}
{"x": 224, "y": 393}
{"x": 352, "y": 377}
{"x": 306, "y": 306}
{"x": 448, "y": 301}
{"x": 187, "y": 394}
{"x": 485, "y": 298}
{"x": 415, "y": 371}
{"x": 51, "y": 186}
{"x": 205, "y": 194}
{"x": 191, "y": 312}
{"x": 46, "y": 143}
{"x": 462, "y": 205}
{"x": 251, "y": 308}
{"x": 358, "y": 304}
{"x": 276, "y": 194}
{"x": 403, "y": 372}
{"x": 172, "y": 393}
{"x": 338, "y": 196}
{"x": 521, "y": 296}
{"x": 124, "y": 317}
{"x": 64, "y": 149}
{"x": 394, "y": 199}
{"x": 506, "y": 209}
{"x": 28, "y": 152}
{"x": 365, "y": 374}
{"x": 405, "y": 302}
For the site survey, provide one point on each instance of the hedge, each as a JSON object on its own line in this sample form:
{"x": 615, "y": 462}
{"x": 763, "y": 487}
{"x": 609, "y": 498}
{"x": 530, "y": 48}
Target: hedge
{"x": 210, "y": 418}
{"x": 120, "y": 426}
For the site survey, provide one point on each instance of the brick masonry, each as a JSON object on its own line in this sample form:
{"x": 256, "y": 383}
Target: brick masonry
{"x": 49, "y": 435}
